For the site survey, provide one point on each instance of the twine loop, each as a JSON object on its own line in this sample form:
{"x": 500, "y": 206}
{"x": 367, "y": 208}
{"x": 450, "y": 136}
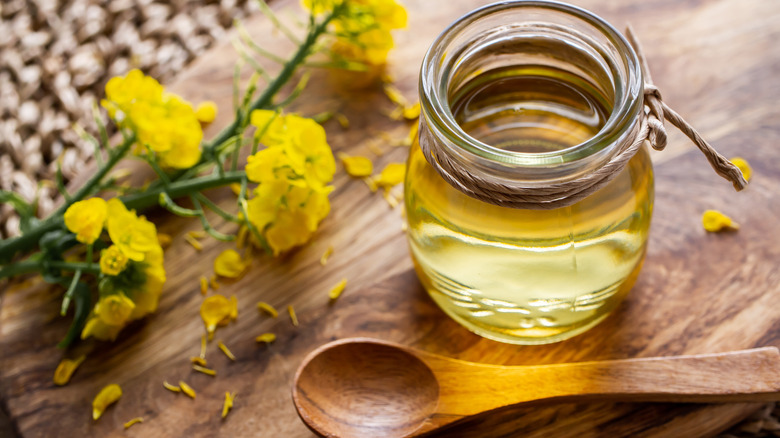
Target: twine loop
{"x": 650, "y": 127}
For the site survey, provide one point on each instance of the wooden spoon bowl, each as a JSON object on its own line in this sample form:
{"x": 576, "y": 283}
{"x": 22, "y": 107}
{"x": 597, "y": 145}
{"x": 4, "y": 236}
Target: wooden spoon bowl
{"x": 368, "y": 388}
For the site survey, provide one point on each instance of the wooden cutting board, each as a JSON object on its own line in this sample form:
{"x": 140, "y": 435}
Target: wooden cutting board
{"x": 717, "y": 63}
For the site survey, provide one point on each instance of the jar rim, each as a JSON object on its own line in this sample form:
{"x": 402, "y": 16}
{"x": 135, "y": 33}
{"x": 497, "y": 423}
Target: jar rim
{"x": 435, "y": 106}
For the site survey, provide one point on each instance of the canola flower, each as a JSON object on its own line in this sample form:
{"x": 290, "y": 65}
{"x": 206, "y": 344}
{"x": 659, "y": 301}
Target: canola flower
{"x": 363, "y": 31}
{"x": 292, "y": 174}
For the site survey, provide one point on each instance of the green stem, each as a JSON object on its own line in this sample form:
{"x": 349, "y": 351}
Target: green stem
{"x": 28, "y": 240}
{"x": 138, "y": 201}
{"x": 29, "y": 266}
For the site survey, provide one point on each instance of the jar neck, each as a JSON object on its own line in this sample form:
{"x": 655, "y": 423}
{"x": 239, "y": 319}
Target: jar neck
{"x": 531, "y": 34}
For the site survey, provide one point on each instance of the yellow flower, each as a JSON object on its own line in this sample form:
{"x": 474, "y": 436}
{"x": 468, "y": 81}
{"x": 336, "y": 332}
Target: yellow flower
{"x": 290, "y": 229}
{"x": 743, "y": 166}
{"x": 229, "y": 264}
{"x": 206, "y": 111}
{"x": 114, "y": 309}
{"x": 164, "y": 122}
{"x": 132, "y": 234}
{"x": 362, "y": 27}
{"x": 105, "y": 398}
{"x": 112, "y": 260}
{"x": 714, "y": 221}
{"x": 86, "y": 219}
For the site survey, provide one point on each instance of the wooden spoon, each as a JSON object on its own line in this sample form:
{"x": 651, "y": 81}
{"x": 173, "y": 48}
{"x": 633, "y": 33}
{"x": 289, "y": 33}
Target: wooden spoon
{"x": 363, "y": 387}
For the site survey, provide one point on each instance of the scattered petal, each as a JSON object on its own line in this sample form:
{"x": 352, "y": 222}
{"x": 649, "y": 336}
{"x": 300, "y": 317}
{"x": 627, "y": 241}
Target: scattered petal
{"x": 390, "y": 198}
{"x": 395, "y": 95}
{"x": 267, "y": 308}
{"x": 135, "y": 420}
{"x": 391, "y": 175}
{"x": 198, "y": 360}
{"x": 229, "y": 264}
{"x": 204, "y": 285}
{"x": 203, "y": 347}
{"x": 714, "y": 221}
{"x": 337, "y": 289}
{"x": 375, "y": 149}
{"x": 203, "y": 370}
{"x": 105, "y": 398}
{"x": 357, "y": 167}
{"x": 214, "y": 310}
{"x": 743, "y": 166}
{"x": 213, "y": 282}
{"x": 235, "y": 188}
{"x": 293, "y": 316}
{"x": 233, "y": 307}
{"x": 195, "y": 244}
{"x": 225, "y": 350}
{"x": 326, "y": 255}
{"x": 411, "y": 112}
{"x": 65, "y": 370}
{"x": 172, "y": 388}
{"x": 164, "y": 240}
{"x": 187, "y": 389}
{"x": 228, "y": 403}
{"x": 196, "y": 234}
{"x": 266, "y": 337}
{"x": 343, "y": 120}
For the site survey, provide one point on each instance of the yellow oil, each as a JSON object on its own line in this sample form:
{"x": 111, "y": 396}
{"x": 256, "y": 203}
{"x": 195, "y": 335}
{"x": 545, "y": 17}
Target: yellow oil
{"x": 528, "y": 276}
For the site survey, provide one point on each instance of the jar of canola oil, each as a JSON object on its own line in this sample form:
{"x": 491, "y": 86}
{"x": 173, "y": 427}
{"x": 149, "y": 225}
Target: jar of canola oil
{"x": 529, "y": 93}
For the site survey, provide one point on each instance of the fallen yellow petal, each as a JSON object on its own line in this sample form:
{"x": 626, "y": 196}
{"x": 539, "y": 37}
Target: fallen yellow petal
{"x": 213, "y": 282}
{"x": 233, "y": 307}
{"x": 391, "y": 200}
{"x": 65, "y": 370}
{"x": 198, "y": 360}
{"x": 225, "y": 350}
{"x": 235, "y": 188}
{"x": 267, "y": 308}
{"x": 743, "y": 166}
{"x": 371, "y": 183}
{"x": 357, "y": 167}
{"x": 714, "y": 221}
{"x": 196, "y": 234}
{"x": 228, "y": 403}
{"x": 266, "y": 337}
{"x": 343, "y": 120}
{"x": 214, "y": 310}
{"x": 170, "y": 387}
{"x": 135, "y": 420}
{"x": 229, "y": 264}
{"x": 195, "y": 244}
{"x": 187, "y": 389}
{"x": 394, "y": 94}
{"x": 164, "y": 240}
{"x": 203, "y": 370}
{"x": 204, "y": 285}
{"x": 391, "y": 175}
{"x": 293, "y": 316}
{"x": 203, "y": 347}
{"x": 412, "y": 112}
{"x": 105, "y": 398}
{"x": 337, "y": 289}
{"x": 326, "y": 255}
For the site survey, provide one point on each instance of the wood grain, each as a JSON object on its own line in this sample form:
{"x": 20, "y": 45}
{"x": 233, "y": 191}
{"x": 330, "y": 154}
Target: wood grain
{"x": 717, "y": 64}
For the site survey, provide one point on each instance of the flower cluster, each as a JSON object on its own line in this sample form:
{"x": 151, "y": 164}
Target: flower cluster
{"x": 131, "y": 269}
{"x": 292, "y": 175}
{"x": 163, "y": 122}
{"x": 362, "y": 28}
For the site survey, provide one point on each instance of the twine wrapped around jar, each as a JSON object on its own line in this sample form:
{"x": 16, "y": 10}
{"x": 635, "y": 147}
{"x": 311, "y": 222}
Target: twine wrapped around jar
{"x": 556, "y": 195}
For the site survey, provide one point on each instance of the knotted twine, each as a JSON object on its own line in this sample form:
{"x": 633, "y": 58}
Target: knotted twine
{"x": 556, "y": 195}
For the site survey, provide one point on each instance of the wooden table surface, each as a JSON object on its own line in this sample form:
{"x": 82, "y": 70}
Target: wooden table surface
{"x": 717, "y": 63}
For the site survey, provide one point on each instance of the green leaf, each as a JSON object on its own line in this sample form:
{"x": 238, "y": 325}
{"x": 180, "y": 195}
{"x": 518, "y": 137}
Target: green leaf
{"x": 82, "y": 298}
{"x": 22, "y": 207}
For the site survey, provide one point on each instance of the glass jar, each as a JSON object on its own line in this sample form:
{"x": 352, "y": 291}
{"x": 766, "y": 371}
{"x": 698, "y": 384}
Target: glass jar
{"x": 533, "y": 94}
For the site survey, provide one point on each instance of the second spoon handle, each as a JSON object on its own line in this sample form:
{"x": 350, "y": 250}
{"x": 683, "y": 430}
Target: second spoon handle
{"x": 740, "y": 376}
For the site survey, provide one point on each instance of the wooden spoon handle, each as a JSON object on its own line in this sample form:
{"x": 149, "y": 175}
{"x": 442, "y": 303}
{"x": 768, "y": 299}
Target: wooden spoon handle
{"x": 741, "y": 376}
